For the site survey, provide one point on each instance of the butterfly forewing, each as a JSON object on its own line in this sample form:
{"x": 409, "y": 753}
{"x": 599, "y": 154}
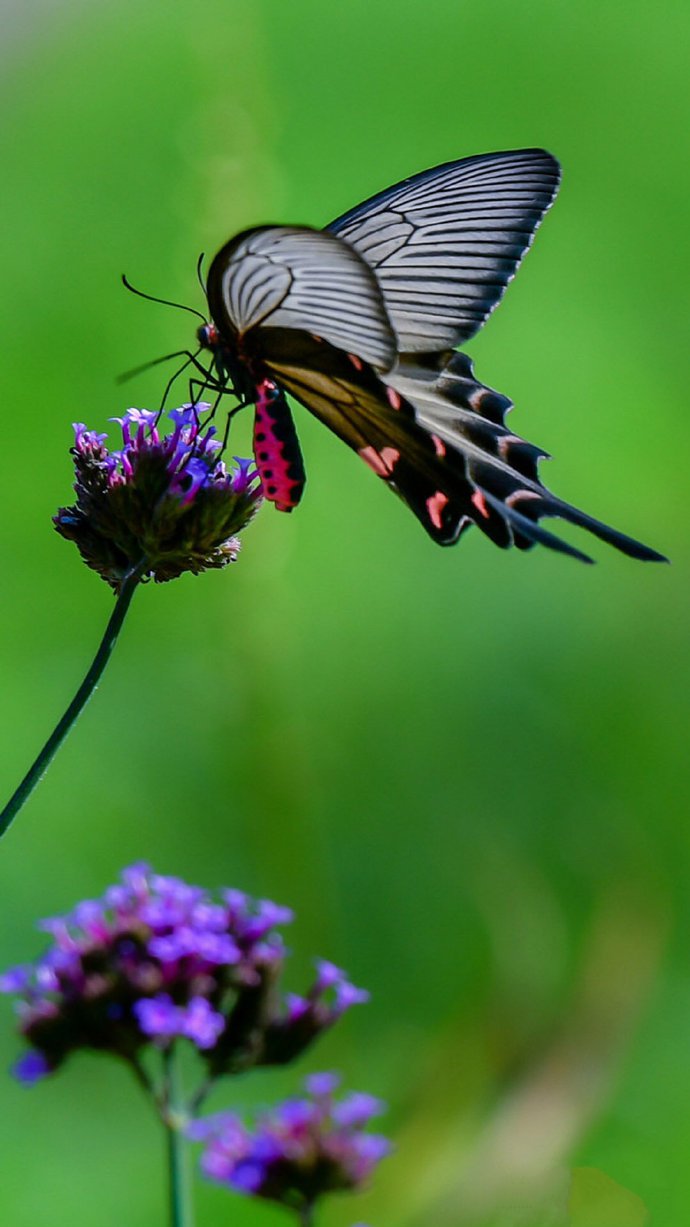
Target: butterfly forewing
{"x": 304, "y": 280}
{"x": 445, "y": 243}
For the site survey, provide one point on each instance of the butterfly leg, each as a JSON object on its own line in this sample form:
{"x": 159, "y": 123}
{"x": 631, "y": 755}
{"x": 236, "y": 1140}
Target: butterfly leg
{"x": 191, "y": 359}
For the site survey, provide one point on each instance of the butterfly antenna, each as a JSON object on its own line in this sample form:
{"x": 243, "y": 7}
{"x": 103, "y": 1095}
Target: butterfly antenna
{"x": 145, "y": 366}
{"x": 199, "y": 273}
{"x": 165, "y": 302}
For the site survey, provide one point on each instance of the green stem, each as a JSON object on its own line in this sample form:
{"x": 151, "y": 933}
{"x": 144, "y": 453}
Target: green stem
{"x": 81, "y": 698}
{"x": 144, "y": 1081}
{"x": 173, "y": 1122}
{"x": 199, "y": 1096}
{"x": 306, "y": 1214}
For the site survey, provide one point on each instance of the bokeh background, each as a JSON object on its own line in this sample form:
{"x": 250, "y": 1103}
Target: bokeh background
{"x": 466, "y": 770}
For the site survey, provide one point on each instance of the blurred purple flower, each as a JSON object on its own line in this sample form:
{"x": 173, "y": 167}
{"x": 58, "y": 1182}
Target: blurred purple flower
{"x": 159, "y": 1018}
{"x": 164, "y": 501}
{"x": 298, "y": 1152}
{"x": 31, "y": 1068}
{"x": 156, "y": 960}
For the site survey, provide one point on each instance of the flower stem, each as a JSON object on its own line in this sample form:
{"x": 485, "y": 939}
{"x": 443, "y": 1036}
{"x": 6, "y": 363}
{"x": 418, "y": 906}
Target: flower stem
{"x": 306, "y": 1214}
{"x": 199, "y": 1096}
{"x": 81, "y": 698}
{"x": 173, "y": 1122}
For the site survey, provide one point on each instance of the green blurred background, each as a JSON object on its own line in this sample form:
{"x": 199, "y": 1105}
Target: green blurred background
{"x": 464, "y": 769}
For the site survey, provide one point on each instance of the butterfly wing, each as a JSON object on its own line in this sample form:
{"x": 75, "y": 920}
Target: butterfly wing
{"x": 300, "y": 279}
{"x": 445, "y": 243}
{"x": 508, "y": 496}
{"x": 346, "y": 395}
{"x": 448, "y": 476}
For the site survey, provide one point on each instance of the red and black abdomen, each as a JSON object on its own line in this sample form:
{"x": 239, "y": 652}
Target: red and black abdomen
{"x": 276, "y": 448}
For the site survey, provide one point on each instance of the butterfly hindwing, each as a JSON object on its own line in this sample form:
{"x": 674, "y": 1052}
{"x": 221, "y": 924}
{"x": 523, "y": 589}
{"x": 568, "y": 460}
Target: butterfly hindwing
{"x": 430, "y": 474}
{"x": 453, "y": 405}
{"x": 380, "y": 425}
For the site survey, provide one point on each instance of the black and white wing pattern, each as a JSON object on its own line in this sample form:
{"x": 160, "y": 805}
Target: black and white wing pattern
{"x": 359, "y": 322}
{"x": 445, "y": 243}
{"x": 507, "y": 498}
{"x": 435, "y": 436}
{"x": 305, "y": 280}
{"x": 347, "y": 395}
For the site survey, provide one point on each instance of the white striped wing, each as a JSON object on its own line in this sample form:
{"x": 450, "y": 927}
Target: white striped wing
{"x": 445, "y": 243}
{"x": 297, "y": 278}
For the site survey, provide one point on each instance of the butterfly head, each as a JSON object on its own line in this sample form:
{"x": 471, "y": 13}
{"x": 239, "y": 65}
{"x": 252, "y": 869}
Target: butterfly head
{"x": 208, "y": 337}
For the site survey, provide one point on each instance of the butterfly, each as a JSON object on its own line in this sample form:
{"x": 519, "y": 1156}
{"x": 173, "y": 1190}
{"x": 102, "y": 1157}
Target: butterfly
{"x": 360, "y": 323}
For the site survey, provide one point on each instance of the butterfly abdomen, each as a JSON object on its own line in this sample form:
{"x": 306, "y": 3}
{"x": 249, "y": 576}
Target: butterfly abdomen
{"x": 276, "y": 448}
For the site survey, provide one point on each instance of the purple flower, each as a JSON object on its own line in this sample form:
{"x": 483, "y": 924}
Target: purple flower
{"x": 201, "y": 1024}
{"x": 298, "y": 1152}
{"x": 156, "y": 960}
{"x": 308, "y": 1015}
{"x": 159, "y": 1018}
{"x": 163, "y": 502}
{"x": 320, "y": 1085}
{"x": 31, "y": 1068}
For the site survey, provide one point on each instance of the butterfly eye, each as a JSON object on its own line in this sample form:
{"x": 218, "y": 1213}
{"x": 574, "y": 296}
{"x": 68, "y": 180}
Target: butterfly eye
{"x": 207, "y": 336}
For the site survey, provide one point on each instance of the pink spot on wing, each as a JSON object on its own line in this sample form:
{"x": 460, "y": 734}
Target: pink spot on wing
{"x": 381, "y": 462}
{"x": 480, "y": 503}
{"x": 506, "y": 443}
{"x": 521, "y": 495}
{"x": 439, "y": 445}
{"x": 390, "y": 457}
{"x": 435, "y": 505}
{"x": 394, "y": 398}
{"x": 356, "y": 362}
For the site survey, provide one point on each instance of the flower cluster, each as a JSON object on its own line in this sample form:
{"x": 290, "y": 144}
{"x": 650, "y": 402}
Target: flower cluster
{"x": 156, "y": 959}
{"x": 162, "y": 503}
{"x": 299, "y": 1151}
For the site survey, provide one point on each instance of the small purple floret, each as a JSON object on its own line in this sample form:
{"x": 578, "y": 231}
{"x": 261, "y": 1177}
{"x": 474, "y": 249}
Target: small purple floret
{"x": 30, "y": 1068}
{"x": 327, "y": 975}
{"x": 157, "y": 1016}
{"x": 322, "y": 1084}
{"x": 246, "y": 1177}
{"x": 347, "y": 994}
{"x": 202, "y": 1024}
{"x": 357, "y": 1109}
{"x": 17, "y": 979}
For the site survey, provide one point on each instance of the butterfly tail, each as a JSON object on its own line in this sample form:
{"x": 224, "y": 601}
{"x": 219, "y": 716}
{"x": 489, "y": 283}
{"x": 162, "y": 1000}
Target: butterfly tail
{"x": 508, "y": 498}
